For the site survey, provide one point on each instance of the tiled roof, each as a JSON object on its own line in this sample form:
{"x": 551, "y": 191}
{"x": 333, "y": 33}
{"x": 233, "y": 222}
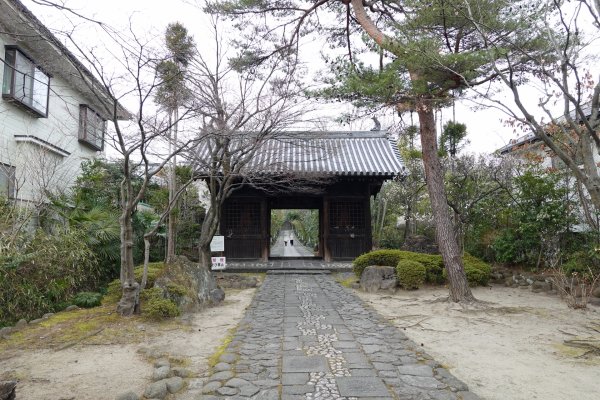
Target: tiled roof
{"x": 329, "y": 153}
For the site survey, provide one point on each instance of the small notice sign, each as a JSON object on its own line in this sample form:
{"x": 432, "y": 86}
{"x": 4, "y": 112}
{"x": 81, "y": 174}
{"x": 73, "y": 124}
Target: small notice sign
{"x": 217, "y": 243}
{"x": 218, "y": 263}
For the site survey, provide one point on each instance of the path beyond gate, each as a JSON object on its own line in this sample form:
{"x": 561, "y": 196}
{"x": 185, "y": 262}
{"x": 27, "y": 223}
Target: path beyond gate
{"x": 306, "y": 337}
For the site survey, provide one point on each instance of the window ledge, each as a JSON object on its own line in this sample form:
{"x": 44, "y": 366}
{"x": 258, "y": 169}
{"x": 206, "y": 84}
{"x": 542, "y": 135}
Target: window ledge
{"x": 42, "y": 143}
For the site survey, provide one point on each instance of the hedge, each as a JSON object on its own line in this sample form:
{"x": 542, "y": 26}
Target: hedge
{"x": 478, "y": 271}
{"x": 411, "y": 274}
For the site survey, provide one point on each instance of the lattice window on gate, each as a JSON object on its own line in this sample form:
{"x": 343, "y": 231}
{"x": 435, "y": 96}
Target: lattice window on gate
{"x": 242, "y": 218}
{"x": 347, "y": 216}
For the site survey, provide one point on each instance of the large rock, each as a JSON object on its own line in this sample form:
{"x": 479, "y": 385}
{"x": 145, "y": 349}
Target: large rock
{"x": 420, "y": 244}
{"x": 376, "y": 278}
{"x": 7, "y": 390}
{"x": 596, "y": 292}
{"x": 189, "y": 285}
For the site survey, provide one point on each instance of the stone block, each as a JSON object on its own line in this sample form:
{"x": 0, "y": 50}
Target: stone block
{"x": 305, "y": 364}
{"x": 355, "y": 386}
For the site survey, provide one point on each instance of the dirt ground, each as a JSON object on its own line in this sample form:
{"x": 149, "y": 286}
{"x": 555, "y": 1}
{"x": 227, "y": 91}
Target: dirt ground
{"x": 94, "y": 354}
{"x": 510, "y": 348}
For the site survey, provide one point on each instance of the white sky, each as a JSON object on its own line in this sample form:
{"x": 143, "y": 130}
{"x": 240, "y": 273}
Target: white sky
{"x": 149, "y": 18}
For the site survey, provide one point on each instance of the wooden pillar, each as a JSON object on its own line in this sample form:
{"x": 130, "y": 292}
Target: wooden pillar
{"x": 326, "y": 252}
{"x": 369, "y": 227}
{"x": 265, "y": 222}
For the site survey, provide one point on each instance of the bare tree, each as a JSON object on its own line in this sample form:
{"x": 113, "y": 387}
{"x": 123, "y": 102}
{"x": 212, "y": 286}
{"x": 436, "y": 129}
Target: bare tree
{"x": 240, "y": 112}
{"x": 563, "y": 110}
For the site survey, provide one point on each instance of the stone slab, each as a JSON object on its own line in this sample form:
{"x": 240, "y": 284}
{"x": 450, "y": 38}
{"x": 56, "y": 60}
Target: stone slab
{"x": 305, "y": 364}
{"x": 361, "y": 386}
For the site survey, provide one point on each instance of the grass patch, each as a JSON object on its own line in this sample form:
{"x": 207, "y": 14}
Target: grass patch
{"x": 347, "y": 282}
{"x": 214, "y": 358}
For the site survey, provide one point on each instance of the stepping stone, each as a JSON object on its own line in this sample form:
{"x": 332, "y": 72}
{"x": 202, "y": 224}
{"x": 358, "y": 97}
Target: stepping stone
{"x": 305, "y": 364}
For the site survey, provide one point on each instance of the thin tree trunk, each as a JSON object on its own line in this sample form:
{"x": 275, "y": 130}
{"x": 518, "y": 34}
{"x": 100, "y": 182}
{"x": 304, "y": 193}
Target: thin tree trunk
{"x": 146, "y": 262}
{"x": 129, "y": 303}
{"x": 446, "y": 238}
{"x": 171, "y": 224}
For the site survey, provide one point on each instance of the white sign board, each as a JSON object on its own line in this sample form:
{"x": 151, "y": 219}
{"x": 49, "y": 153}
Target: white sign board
{"x": 217, "y": 243}
{"x": 218, "y": 263}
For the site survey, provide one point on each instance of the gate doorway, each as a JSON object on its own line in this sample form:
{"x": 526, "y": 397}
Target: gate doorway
{"x": 295, "y": 233}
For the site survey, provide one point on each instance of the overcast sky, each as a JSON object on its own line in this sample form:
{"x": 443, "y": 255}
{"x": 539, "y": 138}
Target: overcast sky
{"x": 149, "y": 18}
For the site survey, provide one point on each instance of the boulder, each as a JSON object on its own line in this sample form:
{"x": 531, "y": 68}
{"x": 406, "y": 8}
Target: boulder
{"x": 156, "y": 390}
{"x": 8, "y": 390}
{"x": 596, "y": 292}
{"x": 21, "y": 324}
{"x": 128, "y": 396}
{"x": 72, "y": 307}
{"x": 174, "y": 384}
{"x": 376, "y": 278}
{"x": 189, "y": 285}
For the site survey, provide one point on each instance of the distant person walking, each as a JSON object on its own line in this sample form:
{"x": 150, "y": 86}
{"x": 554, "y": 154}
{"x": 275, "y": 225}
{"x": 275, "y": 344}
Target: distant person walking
{"x": 291, "y": 242}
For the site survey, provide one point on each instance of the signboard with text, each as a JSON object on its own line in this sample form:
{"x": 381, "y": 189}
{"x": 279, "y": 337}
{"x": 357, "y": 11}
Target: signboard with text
{"x": 218, "y": 263}
{"x": 217, "y": 243}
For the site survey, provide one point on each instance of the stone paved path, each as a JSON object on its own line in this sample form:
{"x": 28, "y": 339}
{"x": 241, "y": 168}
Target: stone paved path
{"x": 312, "y": 264}
{"x": 280, "y": 249}
{"x": 306, "y": 337}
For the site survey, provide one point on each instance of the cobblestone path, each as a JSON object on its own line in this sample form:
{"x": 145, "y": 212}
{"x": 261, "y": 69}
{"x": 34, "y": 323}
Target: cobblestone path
{"x": 306, "y": 337}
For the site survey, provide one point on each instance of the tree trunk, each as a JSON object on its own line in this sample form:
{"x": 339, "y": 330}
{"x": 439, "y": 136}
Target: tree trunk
{"x": 208, "y": 230}
{"x": 171, "y": 224}
{"x": 146, "y": 261}
{"x": 434, "y": 174}
{"x": 129, "y": 303}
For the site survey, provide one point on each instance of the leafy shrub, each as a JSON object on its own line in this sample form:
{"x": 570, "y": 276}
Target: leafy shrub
{"x": 44, "y": 273}
{"x": 411, "y": 274}
{"x": 433, "y": 263}
{"x": 477, "y": 271}
{"x": 87, "y": 299}
{"x": 581, "y": 264}
{"x": 155, "y": 306}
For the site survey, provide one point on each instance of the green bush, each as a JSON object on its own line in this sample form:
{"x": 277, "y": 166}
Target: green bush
{"x": 579, "y": 263}
{"x": 433, "y": 263}
{"x": 155, "y": 306}
{"x": 44, "y": 273}
{"x": 87, "y": 299}
{"x": 411, "y": 274}
{"x": 478, "y": 272}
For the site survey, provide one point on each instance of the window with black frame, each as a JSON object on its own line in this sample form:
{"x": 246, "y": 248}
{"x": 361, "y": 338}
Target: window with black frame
{"x": 91, "y": 127}
{"x": 25, "y": 83}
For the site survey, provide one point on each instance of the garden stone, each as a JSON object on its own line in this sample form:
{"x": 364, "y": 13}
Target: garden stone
{"x": 236, "y": 382}
{"x": 222, "y": 376}
{"x": 47, "y": 315}
{"x": 596, "y": 292}
{"x": 7, "y": 390}
{"x": 156, "y": 390}
{"x": 127, "y": 396}
{"x": 21, "y": 324}
{"x": 222, "y": 367}
{"x": 248, "y": 390}
{"x": 174, "y": 384}
{"x": 72, "y": 307}
{"x": 36, "y": 321}
{"x": 227, "y": 391}
{"x": 161, "y": 373}
{"x": 182, "y": 372}
{"x": 376, "y": 278}
{"x": 162, "y": 362}
{"x": 217, "y": 295}
{"x": 7, "y": 330}
{"x": 211, "y": 387}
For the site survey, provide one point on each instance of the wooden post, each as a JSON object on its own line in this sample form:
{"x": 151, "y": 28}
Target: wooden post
{"x": 326, "y": 251}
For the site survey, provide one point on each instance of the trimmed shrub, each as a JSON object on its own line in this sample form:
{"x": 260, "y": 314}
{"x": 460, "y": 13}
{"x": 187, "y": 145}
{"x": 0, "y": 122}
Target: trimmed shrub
{"x": 87, "y": 299}
{"x": 477, "y": 271}
{"x": 433, "y": 263}
{"x": 388, "y": 258}
{"x": 411, "y": 274}
{"x": 160, "y": 309}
